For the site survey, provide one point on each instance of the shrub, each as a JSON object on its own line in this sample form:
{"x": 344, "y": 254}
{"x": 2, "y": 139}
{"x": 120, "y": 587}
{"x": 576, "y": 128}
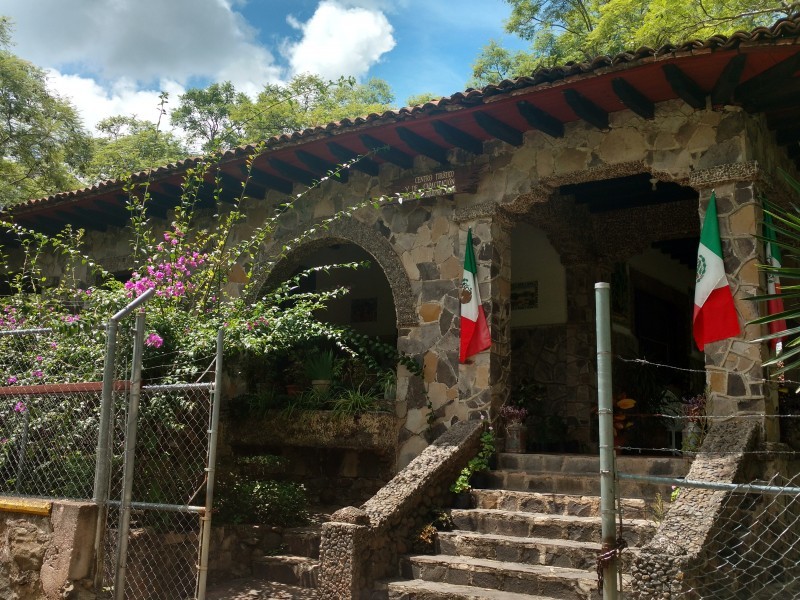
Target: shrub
{"x": 265, "y": 502}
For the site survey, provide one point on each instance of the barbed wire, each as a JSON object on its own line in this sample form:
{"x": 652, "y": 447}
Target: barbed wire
{"x": 644, "y": 361}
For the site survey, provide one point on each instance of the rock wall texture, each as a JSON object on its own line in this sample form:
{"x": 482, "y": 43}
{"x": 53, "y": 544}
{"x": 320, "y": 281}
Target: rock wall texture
{"x": 47, "y": 557}
{"x": 362, "y": 545}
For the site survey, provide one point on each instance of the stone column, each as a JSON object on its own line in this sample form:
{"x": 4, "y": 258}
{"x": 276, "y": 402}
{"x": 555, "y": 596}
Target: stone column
{"x": 734, "y": 371}
{"x": 500, "y": 320}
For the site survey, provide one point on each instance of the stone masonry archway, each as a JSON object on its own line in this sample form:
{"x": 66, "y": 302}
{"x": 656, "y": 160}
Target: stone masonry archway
{"x": 350, "y": 231}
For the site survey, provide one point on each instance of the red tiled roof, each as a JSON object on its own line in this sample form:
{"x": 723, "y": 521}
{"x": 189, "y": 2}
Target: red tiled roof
{"x": 785, "y": 32}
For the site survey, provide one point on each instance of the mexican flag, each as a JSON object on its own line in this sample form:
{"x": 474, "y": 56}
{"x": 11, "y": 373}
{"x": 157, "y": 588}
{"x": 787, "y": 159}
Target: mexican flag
{"x": 774, "y": 306}
{"x": 474, "y": 329}
{"x": 715, "y": 316}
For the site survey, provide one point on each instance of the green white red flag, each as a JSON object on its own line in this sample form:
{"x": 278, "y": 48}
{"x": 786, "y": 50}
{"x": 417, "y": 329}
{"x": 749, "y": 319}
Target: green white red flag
{"x": 715, "y": 315}
{"x": 475, "y": 335}
{"x": 775, "y": 305}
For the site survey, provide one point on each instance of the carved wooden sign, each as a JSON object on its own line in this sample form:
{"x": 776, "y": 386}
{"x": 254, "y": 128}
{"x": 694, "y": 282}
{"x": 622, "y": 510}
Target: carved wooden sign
{"x": 457, "y": 180}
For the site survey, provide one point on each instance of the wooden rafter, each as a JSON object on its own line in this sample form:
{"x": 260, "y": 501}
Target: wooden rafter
{"x": 633, "y": 99}
{"x": 364, "y": 164}
{"x": 776, "y": 76}
{"x": 422, "y": 145}
{"x": 457, "y": 137}
{"x": 684, "y": 86}
{"x": 541, "y": 120}
{"x": 586, "y": 109}
{"x": 385, "y": 151}
{"x": 497, "y": 128}
{"x": 727, "y": 81}
{"x": 321, "y": 167}
{"x": 84, "y": 218}
{"x": 292, "y": 172}
{"x": 777, "y": 97}
{"x": 268, "y": 180}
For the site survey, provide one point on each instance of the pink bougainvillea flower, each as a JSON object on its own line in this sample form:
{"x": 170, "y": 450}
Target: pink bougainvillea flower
{"x": 20, "y": 407}
{"x": 11, "y": 380}
{"x": 154, "y": 341}
{"x": 38, "y": 373}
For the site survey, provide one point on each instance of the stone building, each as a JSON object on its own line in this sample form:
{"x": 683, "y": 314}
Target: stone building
{"x": 598, "y": 171}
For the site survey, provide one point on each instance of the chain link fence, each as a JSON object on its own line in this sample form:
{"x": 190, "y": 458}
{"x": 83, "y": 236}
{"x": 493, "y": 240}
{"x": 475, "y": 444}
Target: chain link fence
{"x": 168, "y": 495}
{"x": 48, "y": 430}
{"x": 142, "y": 449}
{"x": 754, "y": 549}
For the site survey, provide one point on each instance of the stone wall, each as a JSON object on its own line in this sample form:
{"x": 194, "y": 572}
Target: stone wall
{"x": 362, "y": 545}
{"x": 420, "y": 243}
{"x": 47, "y": 555}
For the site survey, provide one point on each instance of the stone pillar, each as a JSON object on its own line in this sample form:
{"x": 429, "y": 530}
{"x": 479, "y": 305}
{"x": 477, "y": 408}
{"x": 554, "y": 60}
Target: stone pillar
{"x": 734, "y": 371}
{"x": 500, "y": 313}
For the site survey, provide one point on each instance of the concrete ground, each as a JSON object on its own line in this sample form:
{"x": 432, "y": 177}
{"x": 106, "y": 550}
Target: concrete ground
{"x": 255, "y": 589}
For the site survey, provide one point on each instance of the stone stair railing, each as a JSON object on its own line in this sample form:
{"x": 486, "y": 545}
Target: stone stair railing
{"x": 362, "y": 545}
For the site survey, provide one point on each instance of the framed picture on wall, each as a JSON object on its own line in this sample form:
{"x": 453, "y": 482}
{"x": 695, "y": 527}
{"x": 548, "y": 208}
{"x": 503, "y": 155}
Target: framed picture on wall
{"x": 364, "y": 310}
{"x": 524, "y": 295}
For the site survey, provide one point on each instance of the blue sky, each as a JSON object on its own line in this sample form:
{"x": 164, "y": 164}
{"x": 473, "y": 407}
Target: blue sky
{"x": 114, "y": 56}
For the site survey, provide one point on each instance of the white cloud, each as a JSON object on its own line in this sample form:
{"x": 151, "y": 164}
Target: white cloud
{"x": 142, "y": 40}
{"x": 340, "y": 40}
{"x": 123, "y": 98}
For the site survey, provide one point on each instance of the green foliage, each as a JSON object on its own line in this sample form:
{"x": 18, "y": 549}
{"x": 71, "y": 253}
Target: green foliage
{"x": 205, "y": 114}
{"x": 129, "y": 145}
{"x": 576, "y": 30}
{"x": 353, "y": 402}
{"x": 422, "y": 98}
{"x": 266, "y": 502}
{"x": 308, "y": 101}
{"x": 323, "y": 365}
{"x": 43, "y": 146}
{"x": 477, "y": 464}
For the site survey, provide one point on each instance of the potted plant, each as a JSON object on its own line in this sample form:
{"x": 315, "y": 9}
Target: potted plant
{"x": 322, "y": 367}
{"x": 516, "y": 431}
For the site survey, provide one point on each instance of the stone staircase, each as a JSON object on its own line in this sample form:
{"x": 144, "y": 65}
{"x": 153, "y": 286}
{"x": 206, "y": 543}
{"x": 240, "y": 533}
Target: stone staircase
{"x": 536, "y": 534}
{"x": 289, "y": 572}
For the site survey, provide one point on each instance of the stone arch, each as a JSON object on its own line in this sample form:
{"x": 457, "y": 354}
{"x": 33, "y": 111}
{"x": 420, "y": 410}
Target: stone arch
{"x": 279, "y": 265}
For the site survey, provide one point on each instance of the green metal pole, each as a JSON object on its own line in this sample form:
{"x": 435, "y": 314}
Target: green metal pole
{"x": 205, "y": 520}
{"x": 605, "y": 411}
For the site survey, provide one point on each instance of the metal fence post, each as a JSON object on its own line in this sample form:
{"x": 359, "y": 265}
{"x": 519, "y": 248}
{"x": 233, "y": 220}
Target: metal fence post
{"x": 205, "y": 520}
{"x": 130, "y": 459}
{"x": 102, "y": 468}
{"x": 605, "y": 411}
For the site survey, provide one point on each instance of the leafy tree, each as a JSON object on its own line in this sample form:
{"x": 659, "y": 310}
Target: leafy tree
{"x": 205, "y": 114}
{"x": 42, "y": 141}
{"x": 128, "y": 145}
{"x": 307, "y": 100}
{"x": 422, "y": 98}
{"x": 565, "y": 30}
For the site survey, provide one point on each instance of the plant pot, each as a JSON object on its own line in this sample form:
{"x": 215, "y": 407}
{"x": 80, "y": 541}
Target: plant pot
{"x": 462, "y": 500}
{"x": 293, "y": 389}
{"x": 321, "y": 385}
{"x": 516, "y": 438}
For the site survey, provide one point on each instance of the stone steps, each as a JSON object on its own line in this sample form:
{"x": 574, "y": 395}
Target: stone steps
{"x": 300, "y": 571}
{"x": 532, "y": 551}
{"x": 541, "y": 525}
{"x": 578, "y": 475}
{"x": 416, "y": 589}
{"x": 555, "y": 504}
{"x": 517, "y": 578}
{"x": 536, "y": 535}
